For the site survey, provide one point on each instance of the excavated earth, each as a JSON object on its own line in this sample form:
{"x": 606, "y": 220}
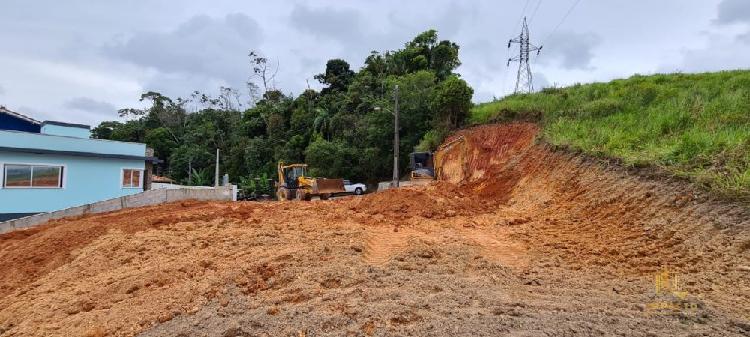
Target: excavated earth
{"x": 518, "y": 239}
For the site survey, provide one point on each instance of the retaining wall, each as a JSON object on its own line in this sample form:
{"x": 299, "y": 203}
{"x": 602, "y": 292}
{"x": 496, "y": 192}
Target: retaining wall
{"x": 147, "y": 198}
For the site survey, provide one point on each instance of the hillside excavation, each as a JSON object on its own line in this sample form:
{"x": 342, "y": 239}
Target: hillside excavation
{"x": 517, "y": 239}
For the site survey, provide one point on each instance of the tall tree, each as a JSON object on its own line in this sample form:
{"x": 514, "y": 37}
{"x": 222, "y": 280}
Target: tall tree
{"x": 337, "y": 76}
{"x": 263, "y": 71}
{"x": 451, "y": 103}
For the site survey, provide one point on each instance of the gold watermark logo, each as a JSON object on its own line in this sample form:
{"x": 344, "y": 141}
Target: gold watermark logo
{"x": 670, "y": 294}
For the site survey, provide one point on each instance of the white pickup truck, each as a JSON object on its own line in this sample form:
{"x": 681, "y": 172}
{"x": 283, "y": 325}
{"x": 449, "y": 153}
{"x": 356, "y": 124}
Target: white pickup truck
{"x": 357, "y": 188}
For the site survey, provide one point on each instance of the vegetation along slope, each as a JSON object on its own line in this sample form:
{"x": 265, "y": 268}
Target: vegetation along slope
{"x": 695, "y": 126}
{"x": 692, "y": 125}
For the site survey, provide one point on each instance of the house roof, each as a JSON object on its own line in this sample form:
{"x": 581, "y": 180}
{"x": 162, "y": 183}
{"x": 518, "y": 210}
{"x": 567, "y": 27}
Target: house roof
{"x": 80, "y": 154}
{"x": 72, "y": 125}
{"x": 5, "y": 110}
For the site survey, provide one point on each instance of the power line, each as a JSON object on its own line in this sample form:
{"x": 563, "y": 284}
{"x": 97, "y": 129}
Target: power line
{"x": 570, "y": 10}
{"x": 533, "y": 14}
{"x": 505, "y": 75}
{"x": 520, "y": 17}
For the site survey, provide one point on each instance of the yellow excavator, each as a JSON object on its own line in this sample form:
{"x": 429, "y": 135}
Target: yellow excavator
{"x": 294, "y": 183}
{"x": 426, "y": 166}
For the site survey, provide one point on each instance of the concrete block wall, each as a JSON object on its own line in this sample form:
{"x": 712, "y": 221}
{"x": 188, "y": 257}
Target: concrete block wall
{"x": 147, "y": 198}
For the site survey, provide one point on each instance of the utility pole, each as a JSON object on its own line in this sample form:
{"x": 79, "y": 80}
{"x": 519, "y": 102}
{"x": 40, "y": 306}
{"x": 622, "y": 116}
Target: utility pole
{"x": 216, "y": 173}
{"x": 524, "y": 80}
{"x": 395, "y": 138}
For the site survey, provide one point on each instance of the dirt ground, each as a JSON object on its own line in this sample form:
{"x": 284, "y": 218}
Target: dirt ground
{"x": 518, "y": 240}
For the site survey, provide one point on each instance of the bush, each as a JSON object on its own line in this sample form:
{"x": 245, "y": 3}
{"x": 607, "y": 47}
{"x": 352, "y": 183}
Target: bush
{"x": 601, "y": 107}
{"x": 643, "y": 94}
{"x": 431, "y": 140}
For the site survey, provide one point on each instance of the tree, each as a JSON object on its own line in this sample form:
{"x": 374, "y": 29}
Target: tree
{"x": 424, "y": 52}
{"x": 322, "y": 124}
{"x": 258, "y": 156}
{"x": 304, "y": 114}
{"x": 329, "y": 159}
{"x": 451, "y": 103}
{"x": 130, "y": 131}
{"x": 415, "y": 93}
{"x": 444, "y": 59}
{"x": 253, "y": 123}
{"x": 105, "y": 130}
{"x": 187, "y": 157}
{"x": 337, "y": 76}
{"x": 263, "y": 71}
{"x": 375, "y": 63}
{"x": 160, "y": 139}
{"x": 229, "y": 99}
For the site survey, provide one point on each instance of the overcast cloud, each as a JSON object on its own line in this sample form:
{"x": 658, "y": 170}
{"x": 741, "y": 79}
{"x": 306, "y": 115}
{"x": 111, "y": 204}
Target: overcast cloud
{"x": 79, "y": 61}
{"x": 733, "y": 11}
{"x": 574, "y": 50}
{"x": 89, "y": 105}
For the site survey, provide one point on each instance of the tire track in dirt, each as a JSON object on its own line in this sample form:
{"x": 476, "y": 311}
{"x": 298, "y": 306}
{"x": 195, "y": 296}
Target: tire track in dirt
{"x": 591, "y": 236}
{"x": 381, "y": 246}
{"x": 498, "y": 247}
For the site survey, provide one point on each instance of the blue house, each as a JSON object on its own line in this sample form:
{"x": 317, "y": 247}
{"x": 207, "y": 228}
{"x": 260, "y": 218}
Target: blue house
{"x": 48, "y": 166}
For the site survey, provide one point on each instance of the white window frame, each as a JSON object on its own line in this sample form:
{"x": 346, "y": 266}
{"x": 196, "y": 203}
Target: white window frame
{"x": 4, "y": 170}
{"x": 140, "y": 183}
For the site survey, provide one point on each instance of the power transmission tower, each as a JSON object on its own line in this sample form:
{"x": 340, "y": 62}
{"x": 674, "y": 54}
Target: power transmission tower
{"x": 524, "y": 80}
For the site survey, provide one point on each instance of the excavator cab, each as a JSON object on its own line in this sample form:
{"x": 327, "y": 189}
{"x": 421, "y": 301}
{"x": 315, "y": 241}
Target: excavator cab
{"x": 421, "y": 165}
{"x": 292, "y": 173}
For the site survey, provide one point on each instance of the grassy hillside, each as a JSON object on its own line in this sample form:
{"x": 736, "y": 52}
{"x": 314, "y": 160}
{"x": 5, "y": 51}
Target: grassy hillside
{"x": 693, "y": 125}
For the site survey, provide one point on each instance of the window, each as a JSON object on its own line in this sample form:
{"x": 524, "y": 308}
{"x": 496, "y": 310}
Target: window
{"x": 298, "y": 172}
{"x": 131, "y": 178}
{"x": 33, "y": 176}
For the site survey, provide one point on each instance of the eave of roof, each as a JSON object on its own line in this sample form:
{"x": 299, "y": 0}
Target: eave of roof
{"x": 20, "y": 116}
{"x": 80, "y": 154}
{"x": 71, "y": 125}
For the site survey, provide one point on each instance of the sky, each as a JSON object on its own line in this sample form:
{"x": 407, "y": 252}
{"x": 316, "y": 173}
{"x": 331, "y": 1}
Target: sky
{"x": 80, "y": 61}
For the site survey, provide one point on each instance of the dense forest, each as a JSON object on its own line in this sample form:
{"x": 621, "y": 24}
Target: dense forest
{"x": 344, "y": 130}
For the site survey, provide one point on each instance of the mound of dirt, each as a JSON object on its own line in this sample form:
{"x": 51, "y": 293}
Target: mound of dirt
{"x": 518, "y": 240}
{"x": 437, "y": 201}
{"x": 32, "y": 253}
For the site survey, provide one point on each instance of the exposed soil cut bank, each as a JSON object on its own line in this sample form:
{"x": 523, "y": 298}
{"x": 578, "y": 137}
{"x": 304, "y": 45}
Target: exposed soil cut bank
{"x": 518, "y": 240}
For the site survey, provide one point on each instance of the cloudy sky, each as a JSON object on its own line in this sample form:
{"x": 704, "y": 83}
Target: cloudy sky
{"x": 79, "y": 61}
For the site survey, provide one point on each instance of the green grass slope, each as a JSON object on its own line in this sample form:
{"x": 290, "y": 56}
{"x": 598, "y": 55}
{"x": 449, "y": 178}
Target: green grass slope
{"x": 693, "y": 125}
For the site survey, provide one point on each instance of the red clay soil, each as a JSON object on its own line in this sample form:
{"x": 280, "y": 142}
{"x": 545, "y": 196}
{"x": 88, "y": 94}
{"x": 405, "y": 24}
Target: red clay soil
{"x": 488, "y": 168}
{"x": 519, "y": 240}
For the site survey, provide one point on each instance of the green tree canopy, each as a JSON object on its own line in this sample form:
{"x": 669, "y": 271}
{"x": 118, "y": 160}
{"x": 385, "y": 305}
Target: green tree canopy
{"x": 337, "y": 75}
{"x": 344, "y": 130}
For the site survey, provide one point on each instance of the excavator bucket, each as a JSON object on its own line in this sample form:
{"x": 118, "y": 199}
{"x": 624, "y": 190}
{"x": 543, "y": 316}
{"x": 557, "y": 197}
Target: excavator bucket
{"x": 323, "y": 185}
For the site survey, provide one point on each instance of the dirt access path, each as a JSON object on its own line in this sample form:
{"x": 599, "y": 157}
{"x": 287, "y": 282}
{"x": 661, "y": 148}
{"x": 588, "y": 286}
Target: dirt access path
{"x": 519, "y": 241}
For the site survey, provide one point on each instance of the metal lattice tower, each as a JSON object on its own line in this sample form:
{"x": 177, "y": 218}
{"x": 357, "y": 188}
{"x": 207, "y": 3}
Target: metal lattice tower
{"x": 524, "y": 80}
